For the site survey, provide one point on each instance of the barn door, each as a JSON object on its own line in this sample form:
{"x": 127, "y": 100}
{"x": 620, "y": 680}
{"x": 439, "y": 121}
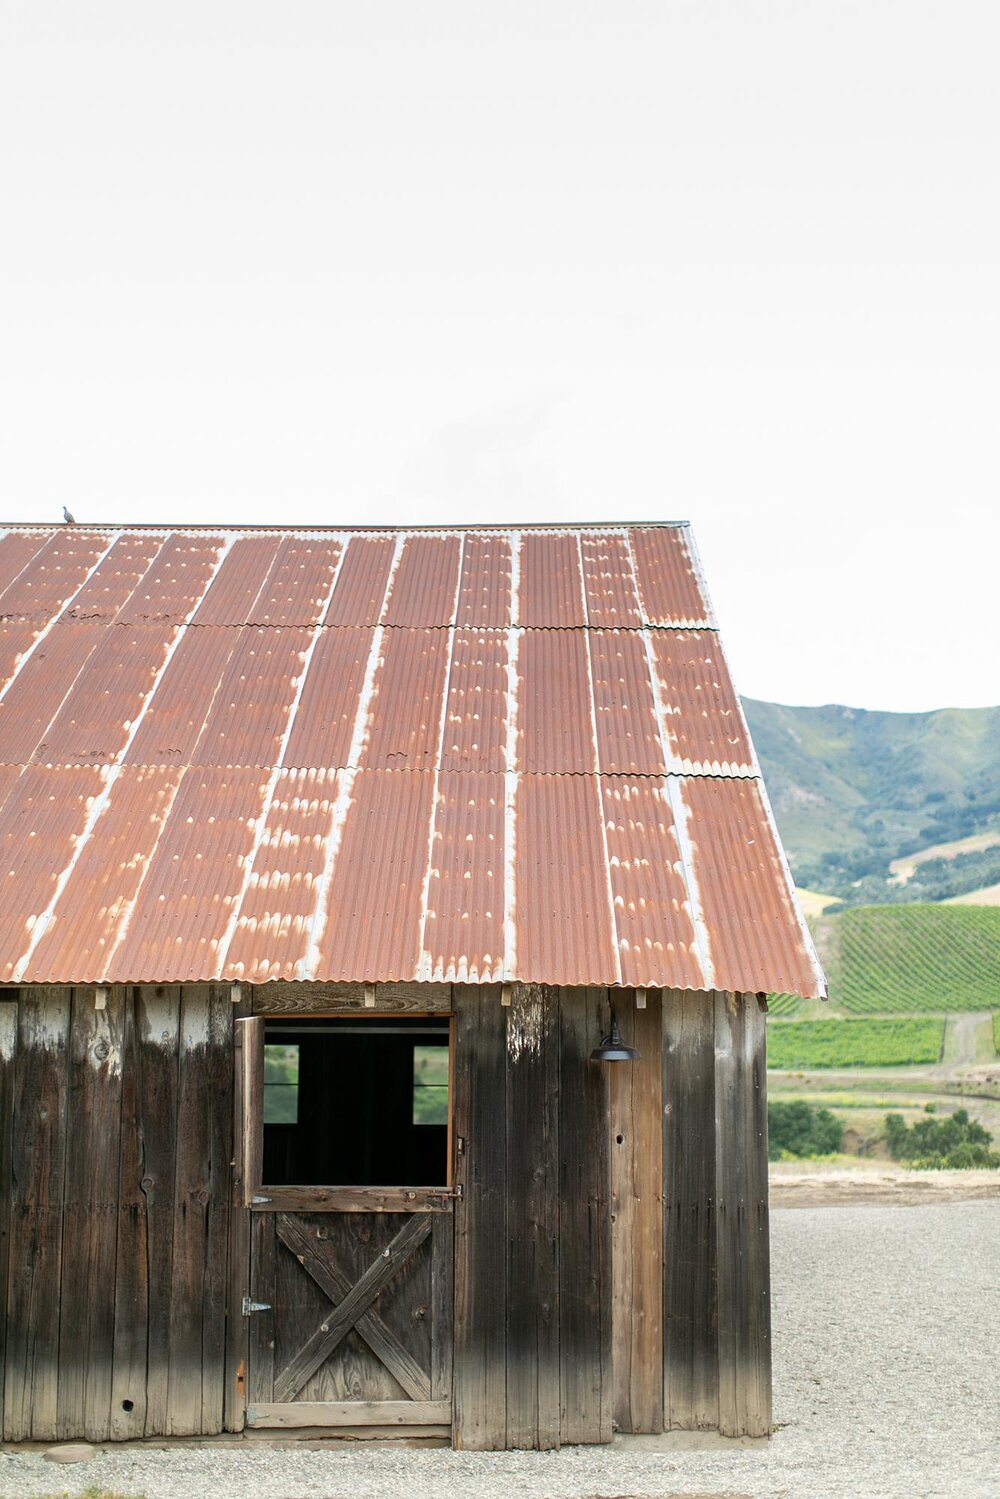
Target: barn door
{"x": 351, "y": 1287}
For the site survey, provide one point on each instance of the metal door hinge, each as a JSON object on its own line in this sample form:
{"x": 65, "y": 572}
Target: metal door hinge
{"x": 257, "y": 1198}
{"x": 249, "y": 1307}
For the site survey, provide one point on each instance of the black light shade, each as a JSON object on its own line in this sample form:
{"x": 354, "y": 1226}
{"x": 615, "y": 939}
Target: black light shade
{"x": 613, "y": 1048}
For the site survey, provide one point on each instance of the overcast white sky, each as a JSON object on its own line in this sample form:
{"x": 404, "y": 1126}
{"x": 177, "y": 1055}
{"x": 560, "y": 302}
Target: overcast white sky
{"x": 729, "y": 262}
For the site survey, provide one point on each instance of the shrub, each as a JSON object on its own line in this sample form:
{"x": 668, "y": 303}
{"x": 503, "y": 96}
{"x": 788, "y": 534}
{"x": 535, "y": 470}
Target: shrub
{"x": 955, "y": 1142}
{"x": 800, "y": 1129}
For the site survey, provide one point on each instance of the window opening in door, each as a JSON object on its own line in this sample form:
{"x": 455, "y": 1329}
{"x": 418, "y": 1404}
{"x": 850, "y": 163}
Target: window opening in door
{"x": 356, "y": 1102}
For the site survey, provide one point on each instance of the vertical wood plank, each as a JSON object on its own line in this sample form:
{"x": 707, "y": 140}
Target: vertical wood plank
{"x": 637, "y": 1219}
{"x": 480, "y": 1374}
{"x": 442, "y": 1304}
{"x": 204, "y": 1102}
{"x": 690, "y": 1292}
{"x": 158, "y": 1031}
{"x": 90, "y": 1217}
{"x": 251, "y": 1033}
{"x": 218, "y": 1104}
{"x": 38, "y": 1154}
{"x": 742, "y": 1223}
{"x": 585, "y": 1222}
{"x": 237, "y": 1329}
{"x": 128, "y": 1383}
{"x": 532, "y": 1047}
{"x": 8, "y": 1061}
{"x": 263, "y": 1252}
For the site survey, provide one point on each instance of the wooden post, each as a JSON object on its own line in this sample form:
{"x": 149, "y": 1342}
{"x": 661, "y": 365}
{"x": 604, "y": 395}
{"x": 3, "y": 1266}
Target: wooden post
{"x": 637, "y": 1220}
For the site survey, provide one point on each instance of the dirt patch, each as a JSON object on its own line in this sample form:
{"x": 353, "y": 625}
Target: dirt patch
{"x": 793, "y": 1186}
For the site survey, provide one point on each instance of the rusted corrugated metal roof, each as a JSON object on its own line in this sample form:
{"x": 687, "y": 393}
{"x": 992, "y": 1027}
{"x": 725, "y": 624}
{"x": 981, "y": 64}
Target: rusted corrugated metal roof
{"x": 373, "y": 755}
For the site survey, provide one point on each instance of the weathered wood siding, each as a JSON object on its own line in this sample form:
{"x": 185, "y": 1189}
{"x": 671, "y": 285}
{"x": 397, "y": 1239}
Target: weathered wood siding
{"x": 116, "y": 1127}
{"x": 716, "y": 1285}
{"x": 637, "y": 1218}
{"x": 533, "y": 1246}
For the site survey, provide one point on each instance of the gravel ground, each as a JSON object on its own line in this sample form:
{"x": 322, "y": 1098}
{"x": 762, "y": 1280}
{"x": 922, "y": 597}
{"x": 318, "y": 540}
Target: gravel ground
{"x": 887, "y": 1327}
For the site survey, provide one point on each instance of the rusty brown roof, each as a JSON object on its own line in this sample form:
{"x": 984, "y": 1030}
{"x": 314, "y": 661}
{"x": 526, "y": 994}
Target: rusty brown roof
{"x": 482, "y": 754}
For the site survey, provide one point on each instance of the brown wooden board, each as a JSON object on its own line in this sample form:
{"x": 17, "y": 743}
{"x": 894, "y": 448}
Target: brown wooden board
{"x": 352, "y": 1200}
{"x": 128, "y": 1384}
{"x": 157, "y": 1018}
{"x": 90, "y": 1217}
{"x": 637, "y": 1218}
{"x": 480, "y": 1368}
{"x": 8, "y": 1062}
{"x": 330, "y": 999}
{"x": 690, "y": 1297}
{"x": 38, "y": 1156}
{"x": 200, "y": 1216}
{"x": 532, "y": 1046}
{"x": 584, "y": 1222}
{"x": 238, "y": 1281}
{"x": 742, "y": 1222}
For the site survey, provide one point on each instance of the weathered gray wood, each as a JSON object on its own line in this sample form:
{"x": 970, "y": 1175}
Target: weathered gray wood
{"x": 742, "y": 1222}
{"x": 442, "y": 1306}
{"x": 237, "y": 1326}
{"x": 690, "y": 1298}
{"x": 532, "y": 1217}
{"x": 324, "y": 1340}
{"x": 128, "y": 1381}
{"x": 157, "y": 1014}
{"x": 200, "y": 1223}
{"x": 219, "y": 1085}
{"x": 585, "y": 1283}
{"x": 480, "y": 1367}
{"x": 383, "y": 1343}
{"x": 330, "y": 999}
{"x": 637, "y": 1219}
{"x": 352, "y": 1200}
{"x": 251, "y": 1053}
{"x": 90, "y": 1217}
{"x": 263, "y": 1251}
{"x": 37, "y": 1176}
{"x": 8, "y": 1061}
{"x": 351, "y": 1413}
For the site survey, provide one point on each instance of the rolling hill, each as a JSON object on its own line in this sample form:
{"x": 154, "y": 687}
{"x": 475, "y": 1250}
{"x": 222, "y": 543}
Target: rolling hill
{"x": 853, "y": 791}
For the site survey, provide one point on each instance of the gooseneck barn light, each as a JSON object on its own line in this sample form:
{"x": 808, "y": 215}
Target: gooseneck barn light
{"x": 612, "y": 1047}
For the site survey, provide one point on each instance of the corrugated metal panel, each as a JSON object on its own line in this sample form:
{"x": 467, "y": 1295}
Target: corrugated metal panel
{"x": 748, "y": 909}
{"x": 230, "y": 789}
{"x": 463, "y": 928}
{"x": 667, "y": 577}
{"x": 375, "y": 902}
{"x": 485, "y": 591}
{"x": 550, "y": 583}
{"x": 628, "y": 736}
{"x": 475, "y": 723}
{"x": 564, "y": 922}
{"x": 653, "y": 916}
{"x": 58, "y": 570}
{"x": 703, "y": 719}
{"x": 271, "y": 934}
{"x": 554, "y": 719}
{"x": 362, "y": 581}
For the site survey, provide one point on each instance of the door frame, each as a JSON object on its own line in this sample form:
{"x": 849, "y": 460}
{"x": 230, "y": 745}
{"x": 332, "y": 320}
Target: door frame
{"x": 251, "y": 1201}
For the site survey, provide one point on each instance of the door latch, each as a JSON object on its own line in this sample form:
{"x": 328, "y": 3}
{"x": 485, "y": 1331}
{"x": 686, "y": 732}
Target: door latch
{"x": 249, "y": 1307}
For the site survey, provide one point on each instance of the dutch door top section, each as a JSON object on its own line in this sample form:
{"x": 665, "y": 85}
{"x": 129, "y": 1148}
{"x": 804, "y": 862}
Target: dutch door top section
{"x": 442, "y": 754}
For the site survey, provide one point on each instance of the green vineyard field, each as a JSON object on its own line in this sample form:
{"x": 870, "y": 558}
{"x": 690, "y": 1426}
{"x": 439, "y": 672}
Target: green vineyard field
{"x": 853, "y": 1043}
{"x": 909, "y": 960}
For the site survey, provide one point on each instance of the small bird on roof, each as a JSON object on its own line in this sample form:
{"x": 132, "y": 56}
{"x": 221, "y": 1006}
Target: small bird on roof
{"x": 69, "y": 519}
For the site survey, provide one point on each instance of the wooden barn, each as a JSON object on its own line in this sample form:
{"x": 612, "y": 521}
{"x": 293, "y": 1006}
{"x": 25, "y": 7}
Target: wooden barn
{"x": 385, "y": 920}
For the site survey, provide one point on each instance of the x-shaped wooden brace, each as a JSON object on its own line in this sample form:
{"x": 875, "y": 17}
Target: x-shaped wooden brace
{"x": 353, "y": 1308}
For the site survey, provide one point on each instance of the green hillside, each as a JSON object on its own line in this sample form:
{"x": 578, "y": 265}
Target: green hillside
{"x": 852, "y": 790}
{"x": 913, "y": 959}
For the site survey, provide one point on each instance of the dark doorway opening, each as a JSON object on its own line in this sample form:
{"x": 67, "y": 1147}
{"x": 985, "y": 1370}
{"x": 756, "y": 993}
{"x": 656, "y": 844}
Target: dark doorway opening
{"x": 356, "y": 1102}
